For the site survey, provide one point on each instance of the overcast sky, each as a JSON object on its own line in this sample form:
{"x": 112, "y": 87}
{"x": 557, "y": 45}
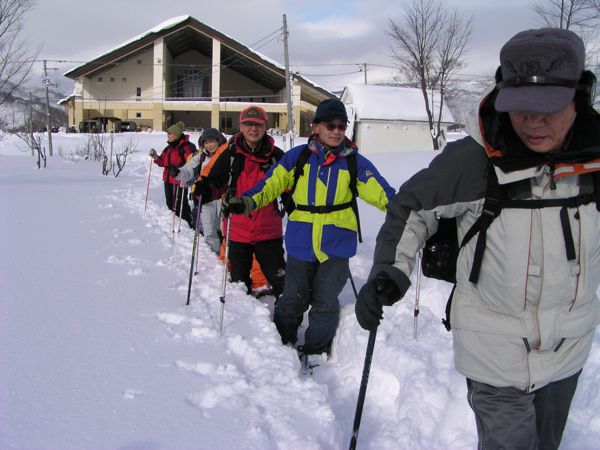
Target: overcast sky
{"x": 327, "y": 37}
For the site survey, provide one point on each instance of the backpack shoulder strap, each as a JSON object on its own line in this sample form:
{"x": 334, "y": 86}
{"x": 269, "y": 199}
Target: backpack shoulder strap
{"x": 299, "y": 167}
{"x": 352, "y": 169}
{"x": 236, "y": 166}
{"x": 492, "y": 206}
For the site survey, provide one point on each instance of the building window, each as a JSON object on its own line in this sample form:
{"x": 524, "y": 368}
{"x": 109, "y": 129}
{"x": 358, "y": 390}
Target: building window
{"x": 100, "y": 79}
{"x": 139, "y": 61}
{"x": 226, "y": 122}
{"x": 124, "y": 79}
{"x": 138, "y": 115}
{"x": 138, "y": 93}
{"x": 112, "y": 79}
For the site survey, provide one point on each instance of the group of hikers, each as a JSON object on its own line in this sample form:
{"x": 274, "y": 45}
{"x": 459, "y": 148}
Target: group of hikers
{"x": 523, "y": 189}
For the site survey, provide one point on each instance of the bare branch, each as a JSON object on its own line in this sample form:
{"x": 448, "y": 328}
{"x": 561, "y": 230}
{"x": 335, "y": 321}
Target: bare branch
{"x": 428, "y": 47}
{"x": 15, "y": 58}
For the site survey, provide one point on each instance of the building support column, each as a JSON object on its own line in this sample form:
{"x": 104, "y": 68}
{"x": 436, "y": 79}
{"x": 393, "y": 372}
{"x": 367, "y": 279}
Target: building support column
{"x": 215, "y": 84}
{"x": 158, "y": 84}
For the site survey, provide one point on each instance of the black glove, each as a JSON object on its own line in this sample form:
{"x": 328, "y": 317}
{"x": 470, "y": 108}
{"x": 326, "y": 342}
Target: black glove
{"x": 237, "y": 205}
{"x": 377, "y": 292}
{"x": 173, "y": 171}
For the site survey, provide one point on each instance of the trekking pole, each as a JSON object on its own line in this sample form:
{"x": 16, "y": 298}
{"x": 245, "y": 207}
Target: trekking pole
{"x": 225, "y": 261}
{"x": 148, "y": 185}
{"x": 417, "y": 294}
{"x": 181, "y": 190}
{"x": 353, "y": 285}
{"x": 175, "y": 191}
{"x": 198, "y": 227}
{"x": 194, "y": 247}
{"x": 363, "y": 387}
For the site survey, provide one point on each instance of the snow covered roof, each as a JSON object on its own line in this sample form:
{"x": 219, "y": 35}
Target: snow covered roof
{"x": 246, "y": 53}
{"x": 389, "y": 103}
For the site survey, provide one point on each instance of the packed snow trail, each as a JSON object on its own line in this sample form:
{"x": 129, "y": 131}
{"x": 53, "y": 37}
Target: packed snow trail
{"x": 99, "y": 351}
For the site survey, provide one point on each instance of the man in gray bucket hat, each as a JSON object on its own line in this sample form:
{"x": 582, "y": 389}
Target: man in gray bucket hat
{"x": 523, "y": 191}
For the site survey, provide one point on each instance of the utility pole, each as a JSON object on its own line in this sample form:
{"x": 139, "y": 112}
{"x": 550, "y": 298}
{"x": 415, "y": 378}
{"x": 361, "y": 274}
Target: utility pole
{"x": 288, "y": 84}
{"x": 364, "y": 69}
{"x": 46, "y": 82}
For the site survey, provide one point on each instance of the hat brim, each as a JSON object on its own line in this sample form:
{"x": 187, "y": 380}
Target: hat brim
{"x": 543, "y": 99}
{"x": 331, "y": 117}
{"x": 254, "y": 120}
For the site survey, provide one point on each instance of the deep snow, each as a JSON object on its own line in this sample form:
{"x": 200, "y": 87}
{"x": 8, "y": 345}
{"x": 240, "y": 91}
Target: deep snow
{"x": 99, "y": 351}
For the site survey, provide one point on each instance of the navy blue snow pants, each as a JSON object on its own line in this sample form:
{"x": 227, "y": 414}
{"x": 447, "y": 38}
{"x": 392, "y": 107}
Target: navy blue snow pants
{"x": 317, "y": 285}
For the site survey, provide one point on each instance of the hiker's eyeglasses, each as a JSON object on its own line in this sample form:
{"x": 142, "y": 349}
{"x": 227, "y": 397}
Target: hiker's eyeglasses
{"x": 333, "y": 126}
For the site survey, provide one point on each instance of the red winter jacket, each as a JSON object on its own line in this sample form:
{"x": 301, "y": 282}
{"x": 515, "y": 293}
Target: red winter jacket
{"x": 175, "y": 154}
{"x": 265, "y": 223}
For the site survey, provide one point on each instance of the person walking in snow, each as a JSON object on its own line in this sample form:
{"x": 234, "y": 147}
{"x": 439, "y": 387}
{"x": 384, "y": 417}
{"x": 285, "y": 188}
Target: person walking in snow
{"x": 174, "y": 156}
{"x": 321, "y": 233}
{"x": 192, "y": 173}
{"x": 241, "y": 165}
{"x": 523, "y": 327}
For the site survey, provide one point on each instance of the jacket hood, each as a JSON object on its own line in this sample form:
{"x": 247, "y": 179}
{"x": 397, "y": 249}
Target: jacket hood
{"x": 493, "y": 130}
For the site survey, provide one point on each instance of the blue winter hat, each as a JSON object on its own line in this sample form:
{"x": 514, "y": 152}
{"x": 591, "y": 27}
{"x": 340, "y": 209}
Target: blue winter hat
{"x": 330, "y": 109}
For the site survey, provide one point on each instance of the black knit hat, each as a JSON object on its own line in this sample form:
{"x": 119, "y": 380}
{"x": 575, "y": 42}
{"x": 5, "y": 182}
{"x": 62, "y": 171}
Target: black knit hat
{"x": 211, "y": 133}
{"x": 329, "y": 109}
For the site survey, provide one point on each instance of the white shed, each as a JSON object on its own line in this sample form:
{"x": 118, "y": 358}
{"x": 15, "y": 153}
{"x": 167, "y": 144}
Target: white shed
{"x": 389, "y": 118}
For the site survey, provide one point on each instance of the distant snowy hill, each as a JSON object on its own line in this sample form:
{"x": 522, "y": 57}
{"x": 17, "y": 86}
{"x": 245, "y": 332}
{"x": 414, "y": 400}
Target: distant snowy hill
{"x": 14, "y": 111}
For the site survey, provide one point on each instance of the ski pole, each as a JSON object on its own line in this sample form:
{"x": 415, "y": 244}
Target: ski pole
{"x": 353, "y": 285}
{"x": 148, "y": 185}
{"x": 226, "y": 262}
{"x": 194, "y": 247}
{"x": 363, "y": 387}
{"x": 417, "y": 294}
{"x": 198, "y": 228}
{"x": 181, "y": 196}
{"x": 175, "y": 192}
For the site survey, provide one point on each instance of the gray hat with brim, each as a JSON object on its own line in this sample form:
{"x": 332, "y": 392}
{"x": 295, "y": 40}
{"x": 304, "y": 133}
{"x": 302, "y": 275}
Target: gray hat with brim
{"x": 540, "y": 70}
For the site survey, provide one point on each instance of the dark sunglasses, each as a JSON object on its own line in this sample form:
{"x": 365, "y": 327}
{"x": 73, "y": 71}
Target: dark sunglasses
{"x": 333, "y": 126}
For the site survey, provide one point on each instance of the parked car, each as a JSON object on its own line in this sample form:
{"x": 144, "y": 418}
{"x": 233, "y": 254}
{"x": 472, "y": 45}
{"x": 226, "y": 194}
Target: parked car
{"x": 128, "y": 125}
{"x": 90, "y": 126}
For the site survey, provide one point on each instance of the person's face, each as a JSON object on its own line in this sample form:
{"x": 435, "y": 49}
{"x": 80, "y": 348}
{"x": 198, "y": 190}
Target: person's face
{"x": 211, "y": 145}
{"x": 543, "y": 132}
{"x": 332, "y": 132}
{"x": 171, "y": 137}
{"x": 253, "y": 132}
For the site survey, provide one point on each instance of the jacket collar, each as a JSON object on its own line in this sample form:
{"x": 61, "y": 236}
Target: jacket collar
{"x": 513, "y": 160}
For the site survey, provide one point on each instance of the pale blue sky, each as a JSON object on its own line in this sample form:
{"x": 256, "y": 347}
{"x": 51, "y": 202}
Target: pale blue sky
{"x": 333, "y": 35}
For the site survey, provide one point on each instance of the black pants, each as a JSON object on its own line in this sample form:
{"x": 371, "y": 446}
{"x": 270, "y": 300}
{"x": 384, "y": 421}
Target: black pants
{"x": 510, "y": 418}
{"x": 269, "y": 255}
{"x": 174, "y": 195}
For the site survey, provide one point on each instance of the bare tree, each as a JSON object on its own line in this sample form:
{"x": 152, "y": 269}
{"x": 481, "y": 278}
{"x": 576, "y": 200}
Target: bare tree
{"x": 429, "y": 45}
{"x": 15, "y": 57}
{"x": 568, "y": 14}
{"x": 34, "y": 141}
{"x": 580, "y": 16}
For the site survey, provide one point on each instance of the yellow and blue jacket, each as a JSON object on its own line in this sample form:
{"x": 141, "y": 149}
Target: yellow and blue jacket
{"x": 325, "y": 181}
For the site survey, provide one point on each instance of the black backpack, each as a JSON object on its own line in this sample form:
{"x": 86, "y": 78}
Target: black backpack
{"x": 289, "y": 204}
{"x": 441, "y": 249}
